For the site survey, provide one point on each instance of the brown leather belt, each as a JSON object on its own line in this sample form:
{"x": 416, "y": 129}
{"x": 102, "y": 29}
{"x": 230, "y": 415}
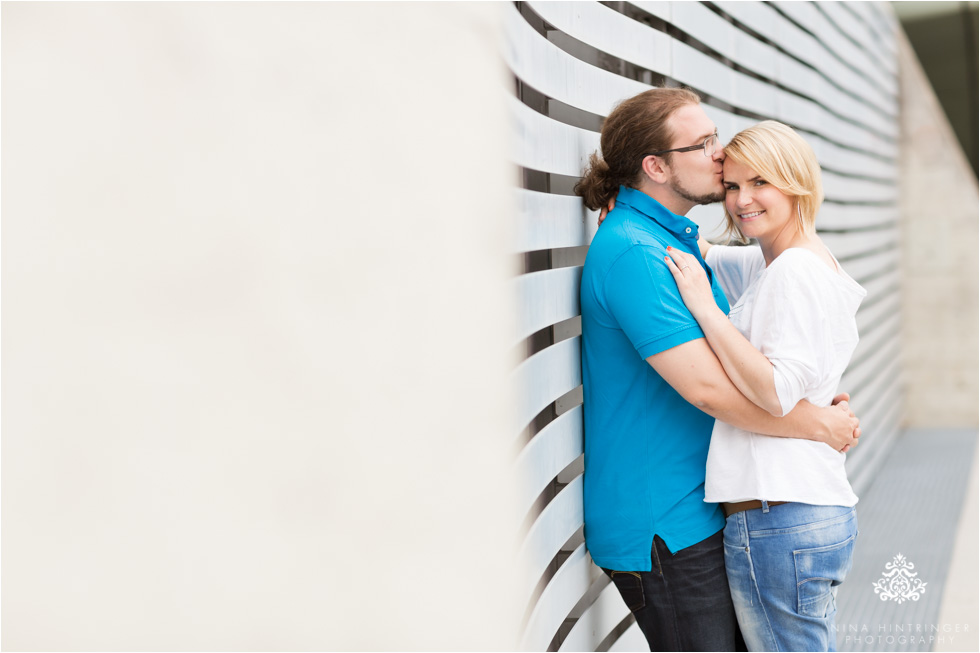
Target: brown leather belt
{"x": 741, "y": 506}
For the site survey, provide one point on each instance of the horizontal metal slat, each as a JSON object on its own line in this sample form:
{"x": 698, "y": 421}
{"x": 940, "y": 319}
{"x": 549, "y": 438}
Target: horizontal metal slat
{"x": 554, "y": 526}
{"x": 843, "y": 216}
{"x": 610, "y": 31}
{"x": 877, "y": 287}
{"x": 569, "y": 584}
{"x": 886, "y": 328}
{"x": 544, "y": 377}
{"x": 548, "y": 221}
{"x": 856, "y": 378}
{"x": 553, "y": 449}
{"x": 686, "y": 64}
{"x": 548, "y": 145}
{"x": 848, "y": 189}
{"x": 760, "y": 58}
{"x": 875, "y": 15}
{"x": 868, "y": 319}
{"x": 545, "y": 298}
{"x": 863, "y": 31}
{"x": 631, "y": 640}
{"x": 598, "y": 620}
{"x": 850, "y": 244}
{"x": 870, "y": 266}
{"x": 836, "y": 25}
{"x": 804, "y": 46}
{"x": 559, "y": 75}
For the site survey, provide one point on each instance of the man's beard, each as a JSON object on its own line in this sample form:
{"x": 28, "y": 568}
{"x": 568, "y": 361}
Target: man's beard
{"x": 697, "y": 199}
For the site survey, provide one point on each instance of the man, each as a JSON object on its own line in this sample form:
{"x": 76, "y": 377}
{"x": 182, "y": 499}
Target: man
{"x": 653, "y": 385}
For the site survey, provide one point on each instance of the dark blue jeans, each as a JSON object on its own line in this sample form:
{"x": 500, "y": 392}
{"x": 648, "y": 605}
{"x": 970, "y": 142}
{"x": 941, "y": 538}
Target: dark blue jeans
{"x": 683, "y": 604}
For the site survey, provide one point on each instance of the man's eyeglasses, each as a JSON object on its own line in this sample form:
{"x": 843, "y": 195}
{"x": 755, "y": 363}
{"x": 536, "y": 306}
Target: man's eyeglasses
{"x": 708, "y": 147}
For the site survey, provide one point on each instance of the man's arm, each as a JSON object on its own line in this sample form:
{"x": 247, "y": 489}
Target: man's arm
{"x": 693, "y": 370}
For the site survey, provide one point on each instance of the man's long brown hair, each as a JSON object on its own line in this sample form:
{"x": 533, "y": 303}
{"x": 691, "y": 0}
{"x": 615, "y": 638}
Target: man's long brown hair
{"x": 635, "y": 128}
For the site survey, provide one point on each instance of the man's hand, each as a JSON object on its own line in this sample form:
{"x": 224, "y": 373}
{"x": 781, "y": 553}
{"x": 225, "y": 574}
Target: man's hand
{"x": 838, "y": 426}
{"x": 844, "y": 398}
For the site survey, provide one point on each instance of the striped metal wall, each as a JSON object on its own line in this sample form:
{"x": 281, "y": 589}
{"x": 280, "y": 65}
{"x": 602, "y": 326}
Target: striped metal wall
{"x": 829, "y": 70}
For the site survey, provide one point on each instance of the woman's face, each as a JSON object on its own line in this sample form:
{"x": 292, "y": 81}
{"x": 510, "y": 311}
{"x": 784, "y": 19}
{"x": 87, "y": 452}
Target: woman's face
{"x": 760, "y": 209}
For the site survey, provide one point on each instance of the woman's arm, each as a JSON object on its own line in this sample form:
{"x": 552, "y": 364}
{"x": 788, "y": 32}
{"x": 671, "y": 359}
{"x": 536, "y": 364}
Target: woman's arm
{"x": 703, "y": 245}
{"x": 750, "y": 371}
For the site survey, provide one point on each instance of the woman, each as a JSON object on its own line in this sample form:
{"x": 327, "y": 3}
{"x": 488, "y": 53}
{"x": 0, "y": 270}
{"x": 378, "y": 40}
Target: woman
{"x": 791, "y": 523}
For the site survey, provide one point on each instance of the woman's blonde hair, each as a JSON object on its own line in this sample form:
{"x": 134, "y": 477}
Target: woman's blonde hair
{"x": 780, "y": 156}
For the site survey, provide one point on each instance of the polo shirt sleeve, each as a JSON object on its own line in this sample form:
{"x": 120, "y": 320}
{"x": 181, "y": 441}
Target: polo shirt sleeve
{"x": 797, "y": 337}
{"x": 643, "y": 298}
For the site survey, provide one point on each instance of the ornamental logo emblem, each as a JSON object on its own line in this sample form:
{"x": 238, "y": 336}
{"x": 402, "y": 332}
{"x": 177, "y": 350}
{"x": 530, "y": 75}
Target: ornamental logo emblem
{"x": 899, "y": 583}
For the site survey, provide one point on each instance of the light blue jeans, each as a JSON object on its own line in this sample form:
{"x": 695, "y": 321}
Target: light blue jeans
{"x": 784, "y": 564}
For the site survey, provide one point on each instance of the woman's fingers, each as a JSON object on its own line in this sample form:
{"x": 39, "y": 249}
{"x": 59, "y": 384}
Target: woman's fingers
{"x": 681, "y": 259}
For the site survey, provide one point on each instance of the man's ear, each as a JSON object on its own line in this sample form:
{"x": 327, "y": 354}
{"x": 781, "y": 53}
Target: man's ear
{"x": 655, "y": 168}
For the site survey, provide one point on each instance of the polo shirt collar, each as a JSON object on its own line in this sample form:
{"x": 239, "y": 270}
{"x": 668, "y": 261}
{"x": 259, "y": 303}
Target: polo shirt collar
{"x": 643, "y": 203}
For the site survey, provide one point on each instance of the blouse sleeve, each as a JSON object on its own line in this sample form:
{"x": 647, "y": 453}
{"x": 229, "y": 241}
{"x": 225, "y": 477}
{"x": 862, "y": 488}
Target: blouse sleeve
{"x": 797, "y": 336}
{"x": 734, "y": 268}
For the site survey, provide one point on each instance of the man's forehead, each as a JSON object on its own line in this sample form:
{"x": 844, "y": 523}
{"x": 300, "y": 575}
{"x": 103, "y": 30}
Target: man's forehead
{"x": 690, "y": 121}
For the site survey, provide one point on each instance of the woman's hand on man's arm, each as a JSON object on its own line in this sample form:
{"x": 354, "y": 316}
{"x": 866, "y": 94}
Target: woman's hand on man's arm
{"x": 746, "y": 366}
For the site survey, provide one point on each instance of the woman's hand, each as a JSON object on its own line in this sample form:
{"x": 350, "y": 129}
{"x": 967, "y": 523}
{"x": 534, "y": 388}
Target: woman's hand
{"x": 692, "y": 281}
{"x": 604, "y": 212}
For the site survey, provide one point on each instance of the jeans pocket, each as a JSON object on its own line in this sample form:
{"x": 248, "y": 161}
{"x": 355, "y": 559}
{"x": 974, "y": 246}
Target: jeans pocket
{"x": 818, "y": 573}
{"x": 630, "y": 586}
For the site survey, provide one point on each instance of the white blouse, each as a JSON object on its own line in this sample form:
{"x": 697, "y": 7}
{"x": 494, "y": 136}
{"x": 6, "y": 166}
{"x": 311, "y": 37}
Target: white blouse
{"x": 800, "y": 314}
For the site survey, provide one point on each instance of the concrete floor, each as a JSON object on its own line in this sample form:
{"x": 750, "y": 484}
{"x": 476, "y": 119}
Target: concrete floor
{"x": 920, "y": 513}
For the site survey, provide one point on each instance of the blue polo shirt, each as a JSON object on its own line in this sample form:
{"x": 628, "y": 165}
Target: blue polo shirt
{"x": 645, "y": 445}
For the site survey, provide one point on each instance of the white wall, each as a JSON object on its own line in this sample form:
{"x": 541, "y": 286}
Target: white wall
{"x": 254, "y": 396}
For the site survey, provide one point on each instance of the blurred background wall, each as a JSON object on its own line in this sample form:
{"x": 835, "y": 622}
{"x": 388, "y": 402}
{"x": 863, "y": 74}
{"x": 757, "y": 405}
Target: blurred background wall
{"x": 253, "y": 287}
{"x": 943, "y": 36}
{"x": 939, "y": 212}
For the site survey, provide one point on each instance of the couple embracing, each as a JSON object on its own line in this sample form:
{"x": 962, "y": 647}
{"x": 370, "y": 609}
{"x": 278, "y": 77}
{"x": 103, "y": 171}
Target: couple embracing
{"x": 715, "y": 492}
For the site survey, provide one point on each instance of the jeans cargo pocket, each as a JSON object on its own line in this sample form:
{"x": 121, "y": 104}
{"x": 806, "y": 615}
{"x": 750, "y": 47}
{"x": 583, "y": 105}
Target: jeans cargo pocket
{"x": 630, "y": 587}
{"x": 818, "y": 572}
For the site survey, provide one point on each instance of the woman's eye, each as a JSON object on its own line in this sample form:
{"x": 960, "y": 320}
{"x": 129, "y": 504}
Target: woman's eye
{"x": 760, "y": 182}
{"x": 731, "y": 187}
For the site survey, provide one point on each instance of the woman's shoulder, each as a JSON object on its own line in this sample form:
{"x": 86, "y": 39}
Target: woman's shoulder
{"x": 734, "y": 254}
{"x": 805, "y": 259}
{"x": 803, "y": 267}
